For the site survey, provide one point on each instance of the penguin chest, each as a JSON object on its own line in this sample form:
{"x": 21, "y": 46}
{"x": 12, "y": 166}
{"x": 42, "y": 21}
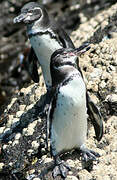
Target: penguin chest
{"x": 69, "y": 123}
{"x": 44, "y": 46}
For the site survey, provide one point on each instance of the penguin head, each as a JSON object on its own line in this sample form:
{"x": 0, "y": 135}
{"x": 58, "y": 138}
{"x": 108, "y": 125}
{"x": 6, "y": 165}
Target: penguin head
{"x": 32, "y": 12}
{"x": 63, "y": 57}
{"x": 62, "y": 65}
{"x": 67, "y": 56}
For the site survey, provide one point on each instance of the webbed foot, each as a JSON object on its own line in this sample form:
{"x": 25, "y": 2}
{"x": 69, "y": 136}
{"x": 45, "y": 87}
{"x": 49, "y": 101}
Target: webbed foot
{"x": 60, "y": 168}
{"x": 88, "y": 156}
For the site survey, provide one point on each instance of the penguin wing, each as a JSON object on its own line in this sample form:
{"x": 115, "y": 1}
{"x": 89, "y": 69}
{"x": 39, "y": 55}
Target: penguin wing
{"x": 50, "y": 110}
{"x": 62, "y": 36}
{"x": 31, "y": 66}
{"x": 96, "y": 118}
{"x": 65, "y": 39}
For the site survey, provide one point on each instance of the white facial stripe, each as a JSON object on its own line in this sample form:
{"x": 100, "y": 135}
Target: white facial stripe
{"x": 41, "y": 14}
{"x": 37, "y": 8}
{"x": 28, "y": 17}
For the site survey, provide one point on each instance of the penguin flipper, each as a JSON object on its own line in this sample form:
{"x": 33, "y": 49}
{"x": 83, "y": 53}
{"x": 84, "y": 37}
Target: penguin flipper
{"x": 62, "y": 36}
{"x": 31, "y": 66}
{"x": 65, "y": 39}
{"x": 50, "y": 99}
{"x": 96, "y": 118}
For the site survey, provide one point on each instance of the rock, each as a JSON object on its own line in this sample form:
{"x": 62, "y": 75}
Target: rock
{"x": 30, "y": 152}
{"x": 71, "y": 178}
{"x": 17, "y": 136}
{"x": 23, "y": 132}
{"x": 70, "y": 163}
{"x": 35, "y": 145}
{"x": 99, "y": 177}
{"x": 22, "y": 107}
{"x": 111, "y": 98}
{"x": 84, "y": 175}
{"x": 47, "y": 160}
{"x": 30, "y": 129}
{"x": 1, "y": 166}
{"x": 19, "y": 113}
{"x": 111, "y": 103}
{"x": 2, "y": 130}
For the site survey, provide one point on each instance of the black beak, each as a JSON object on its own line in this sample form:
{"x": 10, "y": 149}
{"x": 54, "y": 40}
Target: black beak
{"x": 82, "y": 49}
{"x": 20, "y": 18}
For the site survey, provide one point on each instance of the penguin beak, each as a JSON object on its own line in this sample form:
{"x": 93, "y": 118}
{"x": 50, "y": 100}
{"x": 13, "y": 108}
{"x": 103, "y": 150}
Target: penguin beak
{"x": 23, "y": 17}
{"x": 20, "y": 18}
{"x": 82, "y": 49}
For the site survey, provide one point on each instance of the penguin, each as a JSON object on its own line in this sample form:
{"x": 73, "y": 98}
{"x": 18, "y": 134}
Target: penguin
{"x": 46, "y": 36}
{"x": 67, "y": 113}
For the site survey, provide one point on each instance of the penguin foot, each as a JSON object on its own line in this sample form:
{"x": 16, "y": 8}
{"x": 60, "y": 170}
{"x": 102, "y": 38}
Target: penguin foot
{"x": 88, "y": 156}
{"x": 60, "y": 169}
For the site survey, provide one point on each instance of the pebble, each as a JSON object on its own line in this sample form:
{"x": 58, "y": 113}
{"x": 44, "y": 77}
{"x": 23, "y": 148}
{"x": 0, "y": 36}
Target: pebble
{"x": 99, "y": 177}
{"x": 31, "y": 171}
{"x": 102, "y": 84}
{"x": 30, "y": 177}
{"x": 111, "y": 98}
{"x": 4, "y": 146}
{"x": 70, "y": 163}
{"x": 2, "y": 129}
{"x": 11, "y": 164}
{"x": 43, "y": 151}
{"x": 71, "y": 178}
{"x": 30, "y": 130}
{"x": 47, "y": 160}
{"x": 9, "y": 122}
{"x": 43, "y": 137}
{"x": 30, "y": 107}
{"x": 1, "y": 166}
{"x": 32, "y": 98}
{"x": 22, "y": 107}
{"x": 84, "y": 175}
{"x": 15, "y": 120}
{"x": 30, "y": 152}
{"x": 19, "y": 113}
{"x": 96, "y": 73}
{"x": 15, "y": 142}
{"x": 113, "y": 146}
{"x": 12, "y": 102}
{"x": 35, "y": 145}
{"x": 17, "y": 136}
{"x": 112, "y": 121}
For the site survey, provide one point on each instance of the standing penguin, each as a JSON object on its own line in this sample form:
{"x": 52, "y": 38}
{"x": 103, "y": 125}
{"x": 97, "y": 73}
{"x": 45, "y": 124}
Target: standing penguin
{"x": 46, "y": 36}
{"x": 67, "y": 114}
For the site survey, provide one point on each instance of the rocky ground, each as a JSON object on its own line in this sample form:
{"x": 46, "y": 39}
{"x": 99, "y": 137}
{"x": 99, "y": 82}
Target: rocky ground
{"x": 22, "y": 130}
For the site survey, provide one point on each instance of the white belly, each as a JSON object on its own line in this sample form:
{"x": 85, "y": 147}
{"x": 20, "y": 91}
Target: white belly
{"x": 44, "y": 46}
{"x": 69, "y": 124}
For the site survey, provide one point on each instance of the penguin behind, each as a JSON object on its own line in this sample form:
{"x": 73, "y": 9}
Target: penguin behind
{"x": 67, "y": 114}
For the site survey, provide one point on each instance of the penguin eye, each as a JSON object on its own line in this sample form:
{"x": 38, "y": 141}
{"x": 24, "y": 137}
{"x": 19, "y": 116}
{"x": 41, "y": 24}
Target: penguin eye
{"x": 30, "y": 11}
{"x": 36, "y": 11}
{"x": 64, "y": 54}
